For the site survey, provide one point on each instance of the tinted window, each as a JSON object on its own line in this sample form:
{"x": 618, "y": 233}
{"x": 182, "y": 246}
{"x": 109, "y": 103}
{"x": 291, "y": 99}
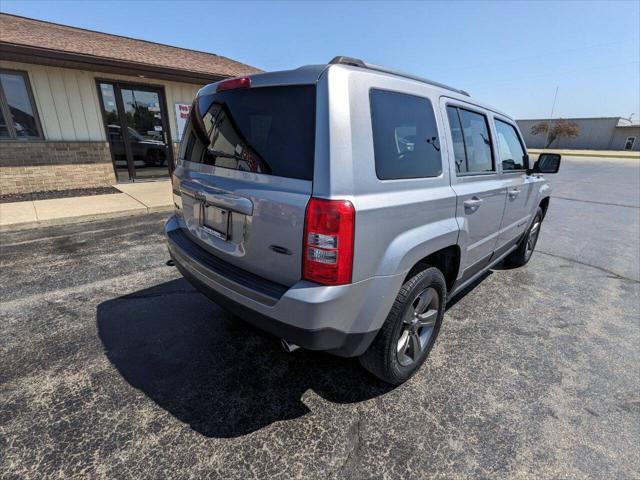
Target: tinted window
{"x": 472, "y": 130}
{"x": 512, "y": 154}
{"x": 405, "y": 136}
{"x": 268, "y": 130}
{"x": 18, "y": 113}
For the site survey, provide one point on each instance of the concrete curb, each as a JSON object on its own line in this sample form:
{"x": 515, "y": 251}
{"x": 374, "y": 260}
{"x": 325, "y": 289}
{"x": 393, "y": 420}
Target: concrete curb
{"x": 84, "y": 218}
{"x": 587, "y": 153}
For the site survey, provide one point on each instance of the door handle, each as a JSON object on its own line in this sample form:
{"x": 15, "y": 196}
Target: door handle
{"x": 513, "y": 193}
{"x": 472, "y": 204}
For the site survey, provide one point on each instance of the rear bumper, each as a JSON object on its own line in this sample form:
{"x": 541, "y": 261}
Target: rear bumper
{"x": 342, "y": 320}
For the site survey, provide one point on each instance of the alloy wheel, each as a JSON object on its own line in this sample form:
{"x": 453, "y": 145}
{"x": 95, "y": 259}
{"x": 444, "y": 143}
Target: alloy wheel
{"x": 532, "y": 238}
{"x": 417, "y": 326}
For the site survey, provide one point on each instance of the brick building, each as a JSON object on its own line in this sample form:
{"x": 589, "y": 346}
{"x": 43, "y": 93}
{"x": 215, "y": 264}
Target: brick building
{"x": 80, "y": 108}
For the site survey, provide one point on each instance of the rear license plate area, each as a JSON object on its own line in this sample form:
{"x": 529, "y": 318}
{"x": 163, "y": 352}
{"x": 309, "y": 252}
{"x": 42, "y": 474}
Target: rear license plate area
{"x": 216, "y": 221}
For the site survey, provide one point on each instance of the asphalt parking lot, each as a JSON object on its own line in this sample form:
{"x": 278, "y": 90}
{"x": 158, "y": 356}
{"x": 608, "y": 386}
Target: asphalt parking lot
{"x": 112, "y": 366}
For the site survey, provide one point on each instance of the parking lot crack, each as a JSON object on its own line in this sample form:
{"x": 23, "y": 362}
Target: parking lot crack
{"x": 608, "y": 272}
{"x": 597, "y": 202}
{"x": 354, "y": 438}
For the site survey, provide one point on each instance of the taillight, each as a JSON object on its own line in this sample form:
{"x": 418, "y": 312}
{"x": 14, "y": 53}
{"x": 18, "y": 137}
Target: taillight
{"x": 328, "y": 241}
{"x": 233, "y": 83}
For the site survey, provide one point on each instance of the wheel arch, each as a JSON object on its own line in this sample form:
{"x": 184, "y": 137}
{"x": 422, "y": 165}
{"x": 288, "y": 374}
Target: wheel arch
{"x": 447, "y": 260}
{"x": 544, "y": 205}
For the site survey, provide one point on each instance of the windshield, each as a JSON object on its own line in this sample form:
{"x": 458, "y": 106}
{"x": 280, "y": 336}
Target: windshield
{"x": 267, "y": 130}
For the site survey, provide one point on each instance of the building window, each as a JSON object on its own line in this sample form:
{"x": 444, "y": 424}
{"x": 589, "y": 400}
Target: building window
{"x": 628, "y": 145}
{"x": 18, "y": 115}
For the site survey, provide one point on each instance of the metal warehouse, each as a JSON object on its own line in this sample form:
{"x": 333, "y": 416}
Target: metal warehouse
{"x": 80, "y": 108}
{"x": 604, "y": 133}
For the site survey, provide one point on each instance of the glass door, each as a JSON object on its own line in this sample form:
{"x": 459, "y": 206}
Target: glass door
{"x": 136, "y": 123}
{"x": 111, "y": 115}
{"x": 147, "y": 137}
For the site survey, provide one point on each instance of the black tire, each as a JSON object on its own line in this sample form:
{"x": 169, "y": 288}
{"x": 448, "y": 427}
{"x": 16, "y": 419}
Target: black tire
{"x": 521, "y": 255}
{"x": 383, "y": 358}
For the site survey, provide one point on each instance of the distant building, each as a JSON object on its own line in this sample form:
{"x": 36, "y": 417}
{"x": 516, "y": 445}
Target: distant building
{"x": 606, "y": 133}
{"x": 80, "y": 108}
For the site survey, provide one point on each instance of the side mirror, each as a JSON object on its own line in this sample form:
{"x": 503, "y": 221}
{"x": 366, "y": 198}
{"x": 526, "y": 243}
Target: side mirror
{"x": 547, "y": 163}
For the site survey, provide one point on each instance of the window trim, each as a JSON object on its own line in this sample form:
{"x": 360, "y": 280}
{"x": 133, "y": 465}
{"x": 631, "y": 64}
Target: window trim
{"x": 435, "y": 119}
{"x": 470, "y": 108}
{"x": 6, "y": 112}
{"x": 633, "y": 139}
{"x": 524, "y": 148}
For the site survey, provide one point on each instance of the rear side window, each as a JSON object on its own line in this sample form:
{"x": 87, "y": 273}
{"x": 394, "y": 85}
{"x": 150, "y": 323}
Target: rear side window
{"x": 471, "y": 141}
{"x": 269, "y": 130}
{"x": 405, "y": 136}
{"x": 511, "y": 151}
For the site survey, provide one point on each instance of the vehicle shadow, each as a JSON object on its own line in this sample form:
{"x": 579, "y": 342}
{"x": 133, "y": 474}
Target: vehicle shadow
{"x": 222, "y": 377}
{"x": 216, "y": 373}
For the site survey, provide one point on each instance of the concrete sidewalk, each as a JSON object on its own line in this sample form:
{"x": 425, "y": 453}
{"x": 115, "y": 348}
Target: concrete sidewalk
{"x": 135, "y": 199}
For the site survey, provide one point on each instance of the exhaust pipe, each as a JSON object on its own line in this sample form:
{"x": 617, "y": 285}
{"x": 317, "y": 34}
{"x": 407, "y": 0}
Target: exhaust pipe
{"x": 288, "y": 347}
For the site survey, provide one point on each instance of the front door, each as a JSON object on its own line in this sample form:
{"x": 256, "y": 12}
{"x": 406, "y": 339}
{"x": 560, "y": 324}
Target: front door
{"x": 520, "y": 192}
{"x": 136, "y": 122}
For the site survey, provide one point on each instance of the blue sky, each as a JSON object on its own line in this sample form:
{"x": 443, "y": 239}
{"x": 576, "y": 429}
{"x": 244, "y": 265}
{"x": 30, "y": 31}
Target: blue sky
{"x": 510, "y": 54}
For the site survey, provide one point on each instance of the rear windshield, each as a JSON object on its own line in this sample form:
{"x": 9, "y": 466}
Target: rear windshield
{"x": 266, "y": 130}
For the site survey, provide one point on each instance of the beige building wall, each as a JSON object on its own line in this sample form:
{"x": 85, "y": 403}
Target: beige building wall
{"x": 68, "y": 105}
{"x": 75, "y": 152}
{"x": 620, "y": 138}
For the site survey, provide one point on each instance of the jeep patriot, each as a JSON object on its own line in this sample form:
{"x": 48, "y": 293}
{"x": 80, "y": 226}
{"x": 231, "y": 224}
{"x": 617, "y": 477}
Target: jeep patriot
{"x": 339, "y": 206}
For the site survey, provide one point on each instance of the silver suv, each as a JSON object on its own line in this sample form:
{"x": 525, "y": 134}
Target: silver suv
{"x": 339, "y": 206}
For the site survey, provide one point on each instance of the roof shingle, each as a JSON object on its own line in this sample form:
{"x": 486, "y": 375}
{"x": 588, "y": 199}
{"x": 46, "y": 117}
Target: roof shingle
{"x": 61, "y": 38}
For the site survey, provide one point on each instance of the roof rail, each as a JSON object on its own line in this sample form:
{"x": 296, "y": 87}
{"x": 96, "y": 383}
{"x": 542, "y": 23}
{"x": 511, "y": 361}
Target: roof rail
{"x": 356, "y": 62}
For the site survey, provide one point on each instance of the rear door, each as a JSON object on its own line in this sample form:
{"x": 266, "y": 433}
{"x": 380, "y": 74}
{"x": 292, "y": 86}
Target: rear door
{"x": 245, "y": 175}
{"x": 476, "y": 181}
{"x": 520, "y": 193}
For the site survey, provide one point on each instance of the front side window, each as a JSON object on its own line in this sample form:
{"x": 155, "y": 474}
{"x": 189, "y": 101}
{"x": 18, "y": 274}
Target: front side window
{"x": 512, "y": 153}
{"x": 405, "y": 136}
{"x": 471, "y": 141}
{"x": 17, "y": 112}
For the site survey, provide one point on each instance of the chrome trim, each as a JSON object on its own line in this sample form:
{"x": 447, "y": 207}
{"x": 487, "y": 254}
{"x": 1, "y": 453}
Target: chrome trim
{"x": 218, "y": 198}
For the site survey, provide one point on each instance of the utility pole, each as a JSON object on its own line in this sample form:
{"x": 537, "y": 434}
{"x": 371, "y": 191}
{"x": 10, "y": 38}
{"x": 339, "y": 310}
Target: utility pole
{"x": 553, "y": 107}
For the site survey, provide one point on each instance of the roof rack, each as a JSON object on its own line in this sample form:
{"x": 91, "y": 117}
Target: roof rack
{"x": 356, "y": 62}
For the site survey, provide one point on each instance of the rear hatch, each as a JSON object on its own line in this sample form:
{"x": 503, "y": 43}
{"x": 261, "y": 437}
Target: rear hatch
{"x": 245, "y": 175}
